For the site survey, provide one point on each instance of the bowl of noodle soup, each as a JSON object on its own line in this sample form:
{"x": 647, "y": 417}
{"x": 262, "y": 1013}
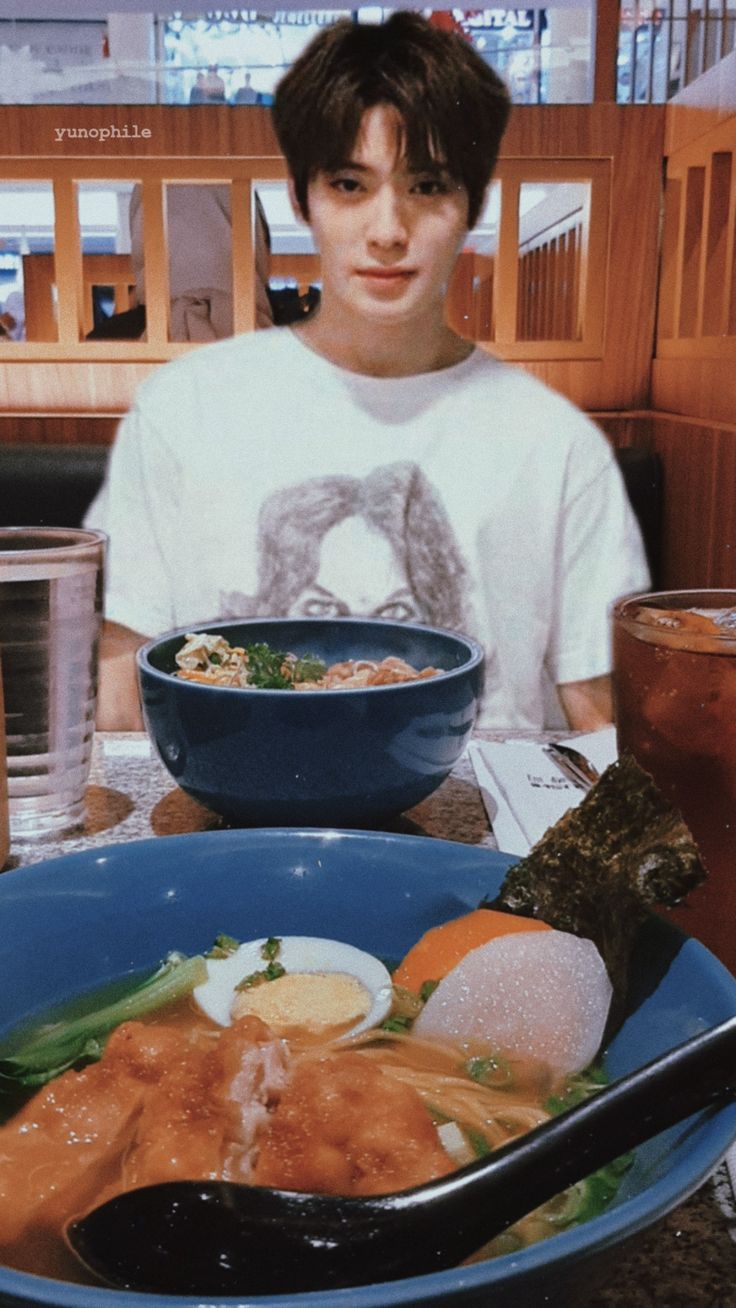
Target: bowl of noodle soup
{"x": 354, "y": 753}
{"x": 101, "y": 918}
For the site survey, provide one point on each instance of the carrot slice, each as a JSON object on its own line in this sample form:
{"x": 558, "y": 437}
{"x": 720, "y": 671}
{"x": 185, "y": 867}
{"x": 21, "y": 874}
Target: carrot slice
{"x": 442, "y": 947}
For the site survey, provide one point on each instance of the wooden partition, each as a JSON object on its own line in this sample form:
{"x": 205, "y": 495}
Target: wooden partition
{"x": 600, "y": 357}
{"x": 699, "y": 463}
{"x": 694, "y": 369}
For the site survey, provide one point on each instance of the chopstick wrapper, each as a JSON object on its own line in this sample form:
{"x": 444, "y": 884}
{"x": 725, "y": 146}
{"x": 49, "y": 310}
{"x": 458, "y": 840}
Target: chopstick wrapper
{"x": 523, "y": 789}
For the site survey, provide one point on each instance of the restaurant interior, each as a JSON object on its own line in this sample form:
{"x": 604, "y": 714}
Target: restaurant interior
{"x": 605, "y": 261}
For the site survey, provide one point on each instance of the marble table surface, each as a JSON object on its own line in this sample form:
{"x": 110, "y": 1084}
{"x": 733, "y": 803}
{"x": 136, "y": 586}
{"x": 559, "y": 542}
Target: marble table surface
{"x": 688, "y": 1260}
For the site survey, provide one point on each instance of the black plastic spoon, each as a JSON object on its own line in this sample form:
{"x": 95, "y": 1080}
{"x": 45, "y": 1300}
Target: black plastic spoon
{"x": 208, "y": 1237}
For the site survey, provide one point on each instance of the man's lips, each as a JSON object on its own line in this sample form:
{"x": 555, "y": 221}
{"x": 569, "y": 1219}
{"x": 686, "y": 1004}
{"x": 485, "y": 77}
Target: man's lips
{"x": 387, "y": 274}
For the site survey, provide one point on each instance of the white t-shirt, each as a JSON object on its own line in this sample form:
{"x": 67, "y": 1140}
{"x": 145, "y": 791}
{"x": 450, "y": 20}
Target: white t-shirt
{"x": 254, "y": 477}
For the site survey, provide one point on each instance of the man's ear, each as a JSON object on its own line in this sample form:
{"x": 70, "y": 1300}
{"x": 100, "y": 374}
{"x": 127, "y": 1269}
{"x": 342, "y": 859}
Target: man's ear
{"x": 296, "y": 208}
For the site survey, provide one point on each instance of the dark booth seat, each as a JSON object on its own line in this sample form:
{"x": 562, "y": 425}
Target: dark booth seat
{"x": 54, "y": 485}
{"x": 644, "y": 477}
{"x": 49, "y": 485}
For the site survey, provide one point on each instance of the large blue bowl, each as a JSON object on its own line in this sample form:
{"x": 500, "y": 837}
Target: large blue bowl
{"x": 311, "y": 758}
{"x": 76, "y": 923}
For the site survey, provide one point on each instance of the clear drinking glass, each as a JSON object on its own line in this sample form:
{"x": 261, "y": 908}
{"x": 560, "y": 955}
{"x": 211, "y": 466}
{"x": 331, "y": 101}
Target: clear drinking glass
{"x": 675, "y": 687}
{"x": 51, "y": 592}
{"x": 4, "y": 828}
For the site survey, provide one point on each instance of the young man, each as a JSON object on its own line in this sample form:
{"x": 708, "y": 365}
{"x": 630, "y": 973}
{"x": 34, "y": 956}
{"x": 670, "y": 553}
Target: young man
{"x": 370, "y": 460}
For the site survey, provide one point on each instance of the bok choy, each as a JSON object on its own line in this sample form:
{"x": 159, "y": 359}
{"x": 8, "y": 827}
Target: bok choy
{"x": 57, "y": 1046}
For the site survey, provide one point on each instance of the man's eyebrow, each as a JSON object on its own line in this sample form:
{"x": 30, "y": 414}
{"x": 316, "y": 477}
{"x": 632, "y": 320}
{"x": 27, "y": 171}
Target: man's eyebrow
{"x": 352, "y": 164}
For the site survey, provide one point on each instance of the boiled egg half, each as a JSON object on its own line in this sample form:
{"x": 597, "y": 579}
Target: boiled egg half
{"x": 326, "y": 987}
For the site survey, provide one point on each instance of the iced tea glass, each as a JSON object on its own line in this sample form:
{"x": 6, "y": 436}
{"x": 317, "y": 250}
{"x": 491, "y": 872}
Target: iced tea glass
{"x": 675, "y": 688}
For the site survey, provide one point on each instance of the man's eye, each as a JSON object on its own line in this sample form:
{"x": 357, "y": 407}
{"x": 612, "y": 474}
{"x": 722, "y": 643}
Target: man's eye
{"x": 345, "y": 185}
{"x": 431, "y": 186}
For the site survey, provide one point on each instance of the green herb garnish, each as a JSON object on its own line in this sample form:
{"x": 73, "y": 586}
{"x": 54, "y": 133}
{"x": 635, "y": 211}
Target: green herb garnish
{"x": 577, "y": 1089}
{"x": 397, "y": 1022}
{"x": 492, "y": 1071}
{"x": 222, "y": 946}
{"x": 270, "y": 973}
{"x": 266, "y": 668}
{"x": 308, "y": 668}
{"x": 476, "y": 1140}
{"x": 270, "y": 950}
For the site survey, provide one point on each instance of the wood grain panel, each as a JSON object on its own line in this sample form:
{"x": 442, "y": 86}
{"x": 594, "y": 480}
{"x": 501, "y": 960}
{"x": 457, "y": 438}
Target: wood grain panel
{"x": 699, "y": 463}
{"x": 631, "y": 137}
{"x": 607, "y": 26}
{"x": 694, "y": 372}
{"x": 700, "y": 387}
{"x": 70, "y": 387}
{"x": 58, "y": 428}
{"x": 176, "y": 131}
{"x": 701, "y": 106}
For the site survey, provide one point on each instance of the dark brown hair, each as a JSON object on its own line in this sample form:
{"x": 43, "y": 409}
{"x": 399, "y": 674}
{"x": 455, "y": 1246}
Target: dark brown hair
{"x": 453, "y": 107}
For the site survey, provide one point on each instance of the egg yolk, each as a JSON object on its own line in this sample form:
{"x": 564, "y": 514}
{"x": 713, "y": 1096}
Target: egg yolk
{"x": 308, "y": 1001}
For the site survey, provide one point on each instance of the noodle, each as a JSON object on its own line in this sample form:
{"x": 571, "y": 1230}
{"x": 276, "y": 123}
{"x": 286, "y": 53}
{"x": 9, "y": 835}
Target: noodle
{"x": 212, "y": 661}
{"x": 450, "y": 1094}
{"x": 171, "y": 1098}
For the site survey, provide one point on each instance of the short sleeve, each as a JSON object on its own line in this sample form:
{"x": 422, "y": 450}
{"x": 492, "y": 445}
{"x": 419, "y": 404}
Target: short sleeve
{"x": 138, "y": 508}
{"x": 600, "y": 557}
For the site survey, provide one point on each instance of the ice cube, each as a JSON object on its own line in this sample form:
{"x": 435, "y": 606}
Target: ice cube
{"x": 652, "y": 617}
{"x": 542, "y": 995}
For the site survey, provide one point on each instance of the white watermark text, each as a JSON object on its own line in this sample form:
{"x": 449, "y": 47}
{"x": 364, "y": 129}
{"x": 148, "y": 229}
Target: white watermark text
{"x": 128, "y": 132}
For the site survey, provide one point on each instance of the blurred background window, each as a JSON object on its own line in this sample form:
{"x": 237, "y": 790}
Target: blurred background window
{"x": 143, "y": 53}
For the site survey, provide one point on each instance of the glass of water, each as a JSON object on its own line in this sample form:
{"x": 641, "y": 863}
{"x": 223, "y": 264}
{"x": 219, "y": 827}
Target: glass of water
{"x": 51, "y": 594}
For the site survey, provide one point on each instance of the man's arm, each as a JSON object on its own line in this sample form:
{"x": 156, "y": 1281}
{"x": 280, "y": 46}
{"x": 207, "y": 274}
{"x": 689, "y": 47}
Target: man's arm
{"x": 588, "y": 705}
{"x": 118, "y": 704}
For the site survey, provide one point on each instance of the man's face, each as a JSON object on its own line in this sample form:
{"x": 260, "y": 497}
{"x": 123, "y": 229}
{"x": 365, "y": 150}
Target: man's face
{"x": 388, "y": 236}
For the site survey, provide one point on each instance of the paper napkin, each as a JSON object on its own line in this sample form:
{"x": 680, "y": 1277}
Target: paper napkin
{"x": 524, "y": 790}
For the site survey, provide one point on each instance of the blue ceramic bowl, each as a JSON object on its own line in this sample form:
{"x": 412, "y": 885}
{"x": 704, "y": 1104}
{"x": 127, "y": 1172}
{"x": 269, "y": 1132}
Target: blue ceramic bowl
{"x": 98, "y": 916}
{"x": 311, "y": 758}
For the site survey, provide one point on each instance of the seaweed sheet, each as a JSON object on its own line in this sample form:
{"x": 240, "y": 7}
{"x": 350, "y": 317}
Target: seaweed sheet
{"x": 599, "y": 871}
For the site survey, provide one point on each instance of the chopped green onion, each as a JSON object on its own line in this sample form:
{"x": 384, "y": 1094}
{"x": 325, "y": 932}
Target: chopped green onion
{"x": 577, "y": 1089}
{"x": 397, "y": 1022}
{"x": 223, "y": 946}
{"x": 308, "y": 668}
{"x": 270, "y": 973}
{"x": 477, "y": 1142}
{"x": 492, "y": 1071}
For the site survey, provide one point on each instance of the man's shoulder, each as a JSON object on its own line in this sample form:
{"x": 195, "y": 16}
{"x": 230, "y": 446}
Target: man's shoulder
{"x": 224, "y": 367}
{"x": 214, "y": 389}
{"x": 517, "y": 394}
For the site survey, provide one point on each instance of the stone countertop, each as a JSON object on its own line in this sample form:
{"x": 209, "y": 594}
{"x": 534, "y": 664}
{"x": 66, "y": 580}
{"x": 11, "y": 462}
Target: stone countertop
{"x": 688, "y": 1260}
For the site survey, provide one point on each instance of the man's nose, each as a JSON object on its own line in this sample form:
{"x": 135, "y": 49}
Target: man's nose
{"x": 387, "y": 223}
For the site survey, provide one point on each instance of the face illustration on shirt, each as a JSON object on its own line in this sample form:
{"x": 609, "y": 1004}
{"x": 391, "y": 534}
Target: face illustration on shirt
{"x": 358, "y": 574}
{"x": 377, "y": 546}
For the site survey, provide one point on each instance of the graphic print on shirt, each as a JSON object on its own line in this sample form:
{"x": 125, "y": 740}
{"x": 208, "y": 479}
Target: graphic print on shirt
{"x": 381, "y": 546}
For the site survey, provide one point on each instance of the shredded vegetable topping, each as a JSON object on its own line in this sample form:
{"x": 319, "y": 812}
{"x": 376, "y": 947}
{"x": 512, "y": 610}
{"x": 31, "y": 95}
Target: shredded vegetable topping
{"x": 211, "y": 659}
